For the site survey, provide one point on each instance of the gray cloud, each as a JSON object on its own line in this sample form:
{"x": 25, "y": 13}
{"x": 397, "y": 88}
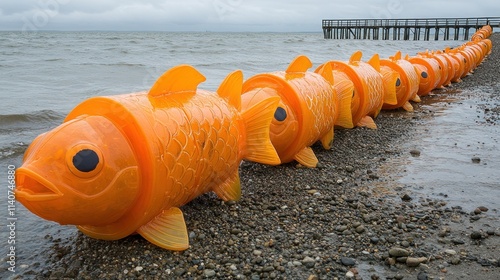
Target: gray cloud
{"x": 219, "y": 15}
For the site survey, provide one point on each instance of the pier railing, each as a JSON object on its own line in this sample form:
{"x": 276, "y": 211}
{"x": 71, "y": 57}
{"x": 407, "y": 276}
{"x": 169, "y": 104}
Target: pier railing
{"x": 405, "y": 29}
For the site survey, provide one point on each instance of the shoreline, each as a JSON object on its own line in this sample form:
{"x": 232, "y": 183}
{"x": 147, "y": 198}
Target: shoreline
{"x": 344, "y": 217}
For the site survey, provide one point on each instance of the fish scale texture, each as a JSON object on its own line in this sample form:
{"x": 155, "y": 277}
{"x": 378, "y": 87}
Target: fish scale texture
{"x": 320, "y": 102}
{"x": 199, "y": 146}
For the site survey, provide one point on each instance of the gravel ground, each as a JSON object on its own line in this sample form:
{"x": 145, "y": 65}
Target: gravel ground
{"x": 344, "y": 219}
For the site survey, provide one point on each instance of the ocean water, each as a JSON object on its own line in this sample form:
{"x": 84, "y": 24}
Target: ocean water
{"x": 44, "y": 75}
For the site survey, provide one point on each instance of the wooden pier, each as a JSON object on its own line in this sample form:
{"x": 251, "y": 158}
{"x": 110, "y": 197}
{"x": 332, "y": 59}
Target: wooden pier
{"x": 406, "y": 29}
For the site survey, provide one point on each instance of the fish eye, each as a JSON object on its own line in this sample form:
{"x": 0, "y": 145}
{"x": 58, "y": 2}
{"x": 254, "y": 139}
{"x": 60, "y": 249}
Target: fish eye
{"x": 280, "y": 114}
{"x": 424, "y": 74}
{"x": 84, "y": 160}
{"x": 398, "y": 82}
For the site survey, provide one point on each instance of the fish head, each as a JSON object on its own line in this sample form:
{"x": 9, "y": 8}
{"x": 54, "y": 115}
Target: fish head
{"x": 83, "y": 172}
{"x": 284, "y": 127}
{"x": 424, "y": 77}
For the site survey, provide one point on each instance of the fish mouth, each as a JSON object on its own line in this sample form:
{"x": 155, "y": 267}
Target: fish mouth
{"x": 31, "y": 186}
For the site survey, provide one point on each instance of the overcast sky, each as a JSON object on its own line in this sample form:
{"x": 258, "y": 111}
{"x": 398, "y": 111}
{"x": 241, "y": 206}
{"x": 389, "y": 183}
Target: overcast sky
{"x": 221, "y": 15}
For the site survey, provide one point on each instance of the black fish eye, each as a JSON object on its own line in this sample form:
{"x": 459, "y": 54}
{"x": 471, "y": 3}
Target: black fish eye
{"x": 398, "y": 82}
{"x": 86, "y": 160}
{"x": 424, "y": 74}
{"x": 280, "y": 114}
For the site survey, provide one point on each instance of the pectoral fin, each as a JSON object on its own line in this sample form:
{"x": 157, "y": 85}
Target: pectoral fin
{"x": 167, "y": 230}
{"x": 230, "y": 189}
{"x": 416, "y": 98}
{"x": 327, "y": 139}
{"x": 306, "y": 157}
{"x": 367, "y": 121}
{"x": 408, "y": 107}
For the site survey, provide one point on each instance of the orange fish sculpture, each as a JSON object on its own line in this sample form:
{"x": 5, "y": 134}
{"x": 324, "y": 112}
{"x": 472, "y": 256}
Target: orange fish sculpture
{"x": 309, "y": 109}
{"x": 407, "y": 83}
{"x": 124, "y": 164}
{"x": 369, "y": 91}
{"x": 429, "y": 73}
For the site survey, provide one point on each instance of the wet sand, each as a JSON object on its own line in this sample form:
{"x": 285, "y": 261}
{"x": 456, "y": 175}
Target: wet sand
{"x": 348, "y": 217}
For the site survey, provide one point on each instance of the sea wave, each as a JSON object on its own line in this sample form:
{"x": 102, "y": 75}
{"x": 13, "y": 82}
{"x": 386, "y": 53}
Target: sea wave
{"x": 13, "y": 150}
{"x": 38, "y": 117}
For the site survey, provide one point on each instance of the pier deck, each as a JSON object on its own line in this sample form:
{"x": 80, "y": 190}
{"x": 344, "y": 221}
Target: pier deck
{"x": 405, "y": 29}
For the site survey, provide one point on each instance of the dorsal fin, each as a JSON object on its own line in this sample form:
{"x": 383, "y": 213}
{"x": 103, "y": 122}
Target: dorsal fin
{"x": 356, "y": 57}
{"x": 407, "y": 57}
{"x": 397, "y": 55}
{"x": 299, "y": 65}
{"x": 326, "y": 72}
{"x": 230, "y": 88}
{"x": 177, "y": 79}
{"x": 375, "y": 62}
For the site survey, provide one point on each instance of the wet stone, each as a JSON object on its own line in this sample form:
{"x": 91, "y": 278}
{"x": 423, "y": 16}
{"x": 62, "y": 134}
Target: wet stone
{"x": 398, "y": 252}
{"x": 406, "y": 197}
{"x": 347, "y": 261}
{"x": 475, "y": 235}
{"x": 422, "y": 275}
{"x": 415, "y": 153}
{"x": 209, "y": 273}
{"x": 413, "y": 262}
{"x": 482, "y": 208}
{"x": 476, "y": 159}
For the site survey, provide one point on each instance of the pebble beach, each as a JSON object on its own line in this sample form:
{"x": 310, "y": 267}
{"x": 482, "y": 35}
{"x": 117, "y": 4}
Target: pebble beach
{"x": 347, "y": 219}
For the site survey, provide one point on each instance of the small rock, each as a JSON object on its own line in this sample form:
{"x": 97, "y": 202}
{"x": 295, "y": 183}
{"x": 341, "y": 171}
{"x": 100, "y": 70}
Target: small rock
{"x": 349, "y": 168}
{"x": 257, "y": 252}
{"x": 422, "y": 275}
{"x": 457, "y": 241}
{"x": 349, "y": 275}
{"x": 475, "y": 235}
{"x": 209, "y": 273}
{"x": 360, "y": 229}
{"x": 312, "y": 277}
{"x": 455, "y": 261}
{"x": 477, "y": 211}
{"x": 139, "y": 268}
{"x": 347, "y": 261}
{"x": 406, "y": 197}
{"x": 413, "y": 262}
{"x": 476, "y": 160}
{"x": 415, "y": 153}
{"x": 482, "y": 208}
{"x": 450, "y": 252}
{"x": 308, "y": 262}
{"x": 398, "y": 252}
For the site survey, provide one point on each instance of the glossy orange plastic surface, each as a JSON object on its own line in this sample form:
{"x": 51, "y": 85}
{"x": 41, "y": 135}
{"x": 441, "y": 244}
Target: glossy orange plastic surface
{"x": 429, "y": 73}
{"x": 308, "y": 110}
{"x": 369, "y": 93}
{"x": 125, "y": 163}
{"x": 408, "y": 83}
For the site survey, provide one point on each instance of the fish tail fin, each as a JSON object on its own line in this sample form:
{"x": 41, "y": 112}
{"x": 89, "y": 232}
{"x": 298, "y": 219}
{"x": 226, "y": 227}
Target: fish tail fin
{"x": 257, "y": 122}
{"x": 344, "y": 95}
{"x": 390, "y": 81}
